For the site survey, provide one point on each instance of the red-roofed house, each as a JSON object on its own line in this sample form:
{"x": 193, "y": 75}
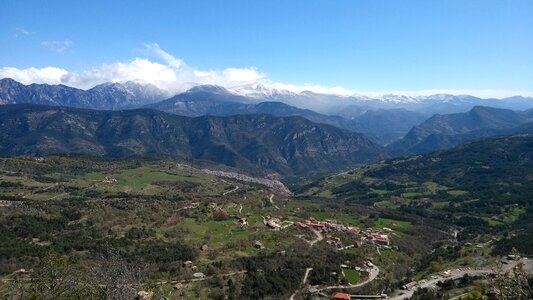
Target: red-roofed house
{"x": 340, "y": 296}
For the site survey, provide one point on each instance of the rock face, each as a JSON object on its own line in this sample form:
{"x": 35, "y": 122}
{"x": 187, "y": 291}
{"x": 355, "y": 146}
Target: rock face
{"x": 104, "y": 96}
{"x": 288, "y": 146}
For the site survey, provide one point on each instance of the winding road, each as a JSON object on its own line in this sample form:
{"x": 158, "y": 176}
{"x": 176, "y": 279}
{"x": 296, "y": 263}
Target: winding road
{"x": 455, "y": 274}
{"x": 230, "y": 191}
{"x": 371, "y": 276}
{"x": 271, "y": 200}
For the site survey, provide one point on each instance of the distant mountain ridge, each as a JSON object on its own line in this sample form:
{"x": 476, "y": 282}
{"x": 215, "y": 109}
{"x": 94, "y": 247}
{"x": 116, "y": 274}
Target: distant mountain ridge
{"x": 332, "y": 104}
{"x": 384, "y": 126}
{"x": 289, "y": 146}
{"x": 197, "y": 101}
{"x": 329, "y": 104}
{"x": 446, "y": 131}
{"x": 104, "y": 96}
{"x": 384, "y": 119}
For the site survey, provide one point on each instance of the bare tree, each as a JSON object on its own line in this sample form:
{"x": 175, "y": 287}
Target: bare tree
{"x": 54, "y": 278}
{"x": 512, "y": 285}
{"x": 115, "y": 277}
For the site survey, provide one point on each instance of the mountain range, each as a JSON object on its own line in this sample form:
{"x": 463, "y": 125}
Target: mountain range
{"x": 445, "y": 131}
{"x": 354, "y": 105}
{"x": 259, "y": 142}
{"x": 381, "y": 125}
{"x": 104, "y": 96}
{"x": 385, "y": 119}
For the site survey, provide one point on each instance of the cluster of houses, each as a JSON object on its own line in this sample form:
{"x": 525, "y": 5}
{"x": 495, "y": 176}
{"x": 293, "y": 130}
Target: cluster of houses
{"x": 377, "y": 237}
{"x": 277, "y": 223}
{"x": 369, "y": 236}
{"x": 328, "y": 226}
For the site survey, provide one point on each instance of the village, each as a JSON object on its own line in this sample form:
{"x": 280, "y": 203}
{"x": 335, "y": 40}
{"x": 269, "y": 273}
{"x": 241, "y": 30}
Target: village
{"x": 338, "y": 235}
{"x": 328, "y": 227}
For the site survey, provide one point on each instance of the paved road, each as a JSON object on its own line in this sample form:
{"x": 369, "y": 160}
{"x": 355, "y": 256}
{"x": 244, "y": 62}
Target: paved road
{"x": 455, "y": 274}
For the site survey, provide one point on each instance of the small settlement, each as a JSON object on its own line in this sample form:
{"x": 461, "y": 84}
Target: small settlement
{"x": 369, "y": 236}
{"x": 378, "y": 237}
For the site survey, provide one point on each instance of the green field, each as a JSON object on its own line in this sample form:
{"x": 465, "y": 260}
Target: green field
{"x": 351, "y": 275}
{"x": 393, "y": 224}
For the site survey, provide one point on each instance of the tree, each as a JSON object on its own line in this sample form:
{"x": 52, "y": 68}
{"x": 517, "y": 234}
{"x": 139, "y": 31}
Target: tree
{"x": 515, "y": 284}
{"x": 116, "y": 278}
{"x": 51, "y": 279}
{"x": 56, "y": 278}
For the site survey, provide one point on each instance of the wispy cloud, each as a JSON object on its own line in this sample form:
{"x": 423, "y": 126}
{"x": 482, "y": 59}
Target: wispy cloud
{"x": 57, "y": 46}
{"x": 171, "y": 61}
{"x": 21, "y": 32}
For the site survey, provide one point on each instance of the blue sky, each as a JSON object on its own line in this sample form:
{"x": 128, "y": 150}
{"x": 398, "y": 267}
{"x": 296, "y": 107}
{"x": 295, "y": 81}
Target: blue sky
{"x": 363, "y": 46}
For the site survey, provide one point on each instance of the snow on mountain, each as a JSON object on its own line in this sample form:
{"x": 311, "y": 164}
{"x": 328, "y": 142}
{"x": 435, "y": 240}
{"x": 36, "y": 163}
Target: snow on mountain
{"x": 103, "y": 96}
{"x": 259, "y": 90}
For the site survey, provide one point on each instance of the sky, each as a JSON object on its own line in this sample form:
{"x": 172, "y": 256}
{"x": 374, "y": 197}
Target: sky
{"x": 483, "y": 47}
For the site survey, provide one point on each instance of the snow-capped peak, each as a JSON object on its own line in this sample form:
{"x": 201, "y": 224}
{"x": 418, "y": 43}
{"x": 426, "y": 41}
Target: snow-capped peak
{"x": 259, "y": 90}
{"x": 394, "y": 98}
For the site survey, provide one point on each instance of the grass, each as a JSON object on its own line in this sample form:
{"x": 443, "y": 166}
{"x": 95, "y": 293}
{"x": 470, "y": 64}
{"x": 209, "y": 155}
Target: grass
{"x": 294, "y": 204}
{"x": 513, "y": 214}
{"x": 144, "y": 179}
{"x": 492, "y": 222}
{"x": 379, "y": 192}
{"x": 217, "y": 233}
{"x": 411, "y": 194}
{"x": 456, "y": 192}
{"x": 393, "y": 224}
{"x": 509, "y": 217}
{"x": 351, "y": 275}
{"x": 388, "y": 258}
{"x": 386, "y": 204}
{"x": 345, "y": 218}
{"x": 326, "y": 194}
{"x": 143, "y": 176}
{"x": 440, "y": 204}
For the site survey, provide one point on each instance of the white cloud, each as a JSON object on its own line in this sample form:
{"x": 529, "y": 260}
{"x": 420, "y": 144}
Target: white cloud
{"x": 49, "y": 75}
{"x": 138, "y": 69}
{"x": 174, "y": 75}
{"x": 171, "y": 74}
{"x": 57, "y": 46}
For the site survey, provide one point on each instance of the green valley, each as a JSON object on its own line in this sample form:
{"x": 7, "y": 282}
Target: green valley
{"x": 177, "y": 230}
